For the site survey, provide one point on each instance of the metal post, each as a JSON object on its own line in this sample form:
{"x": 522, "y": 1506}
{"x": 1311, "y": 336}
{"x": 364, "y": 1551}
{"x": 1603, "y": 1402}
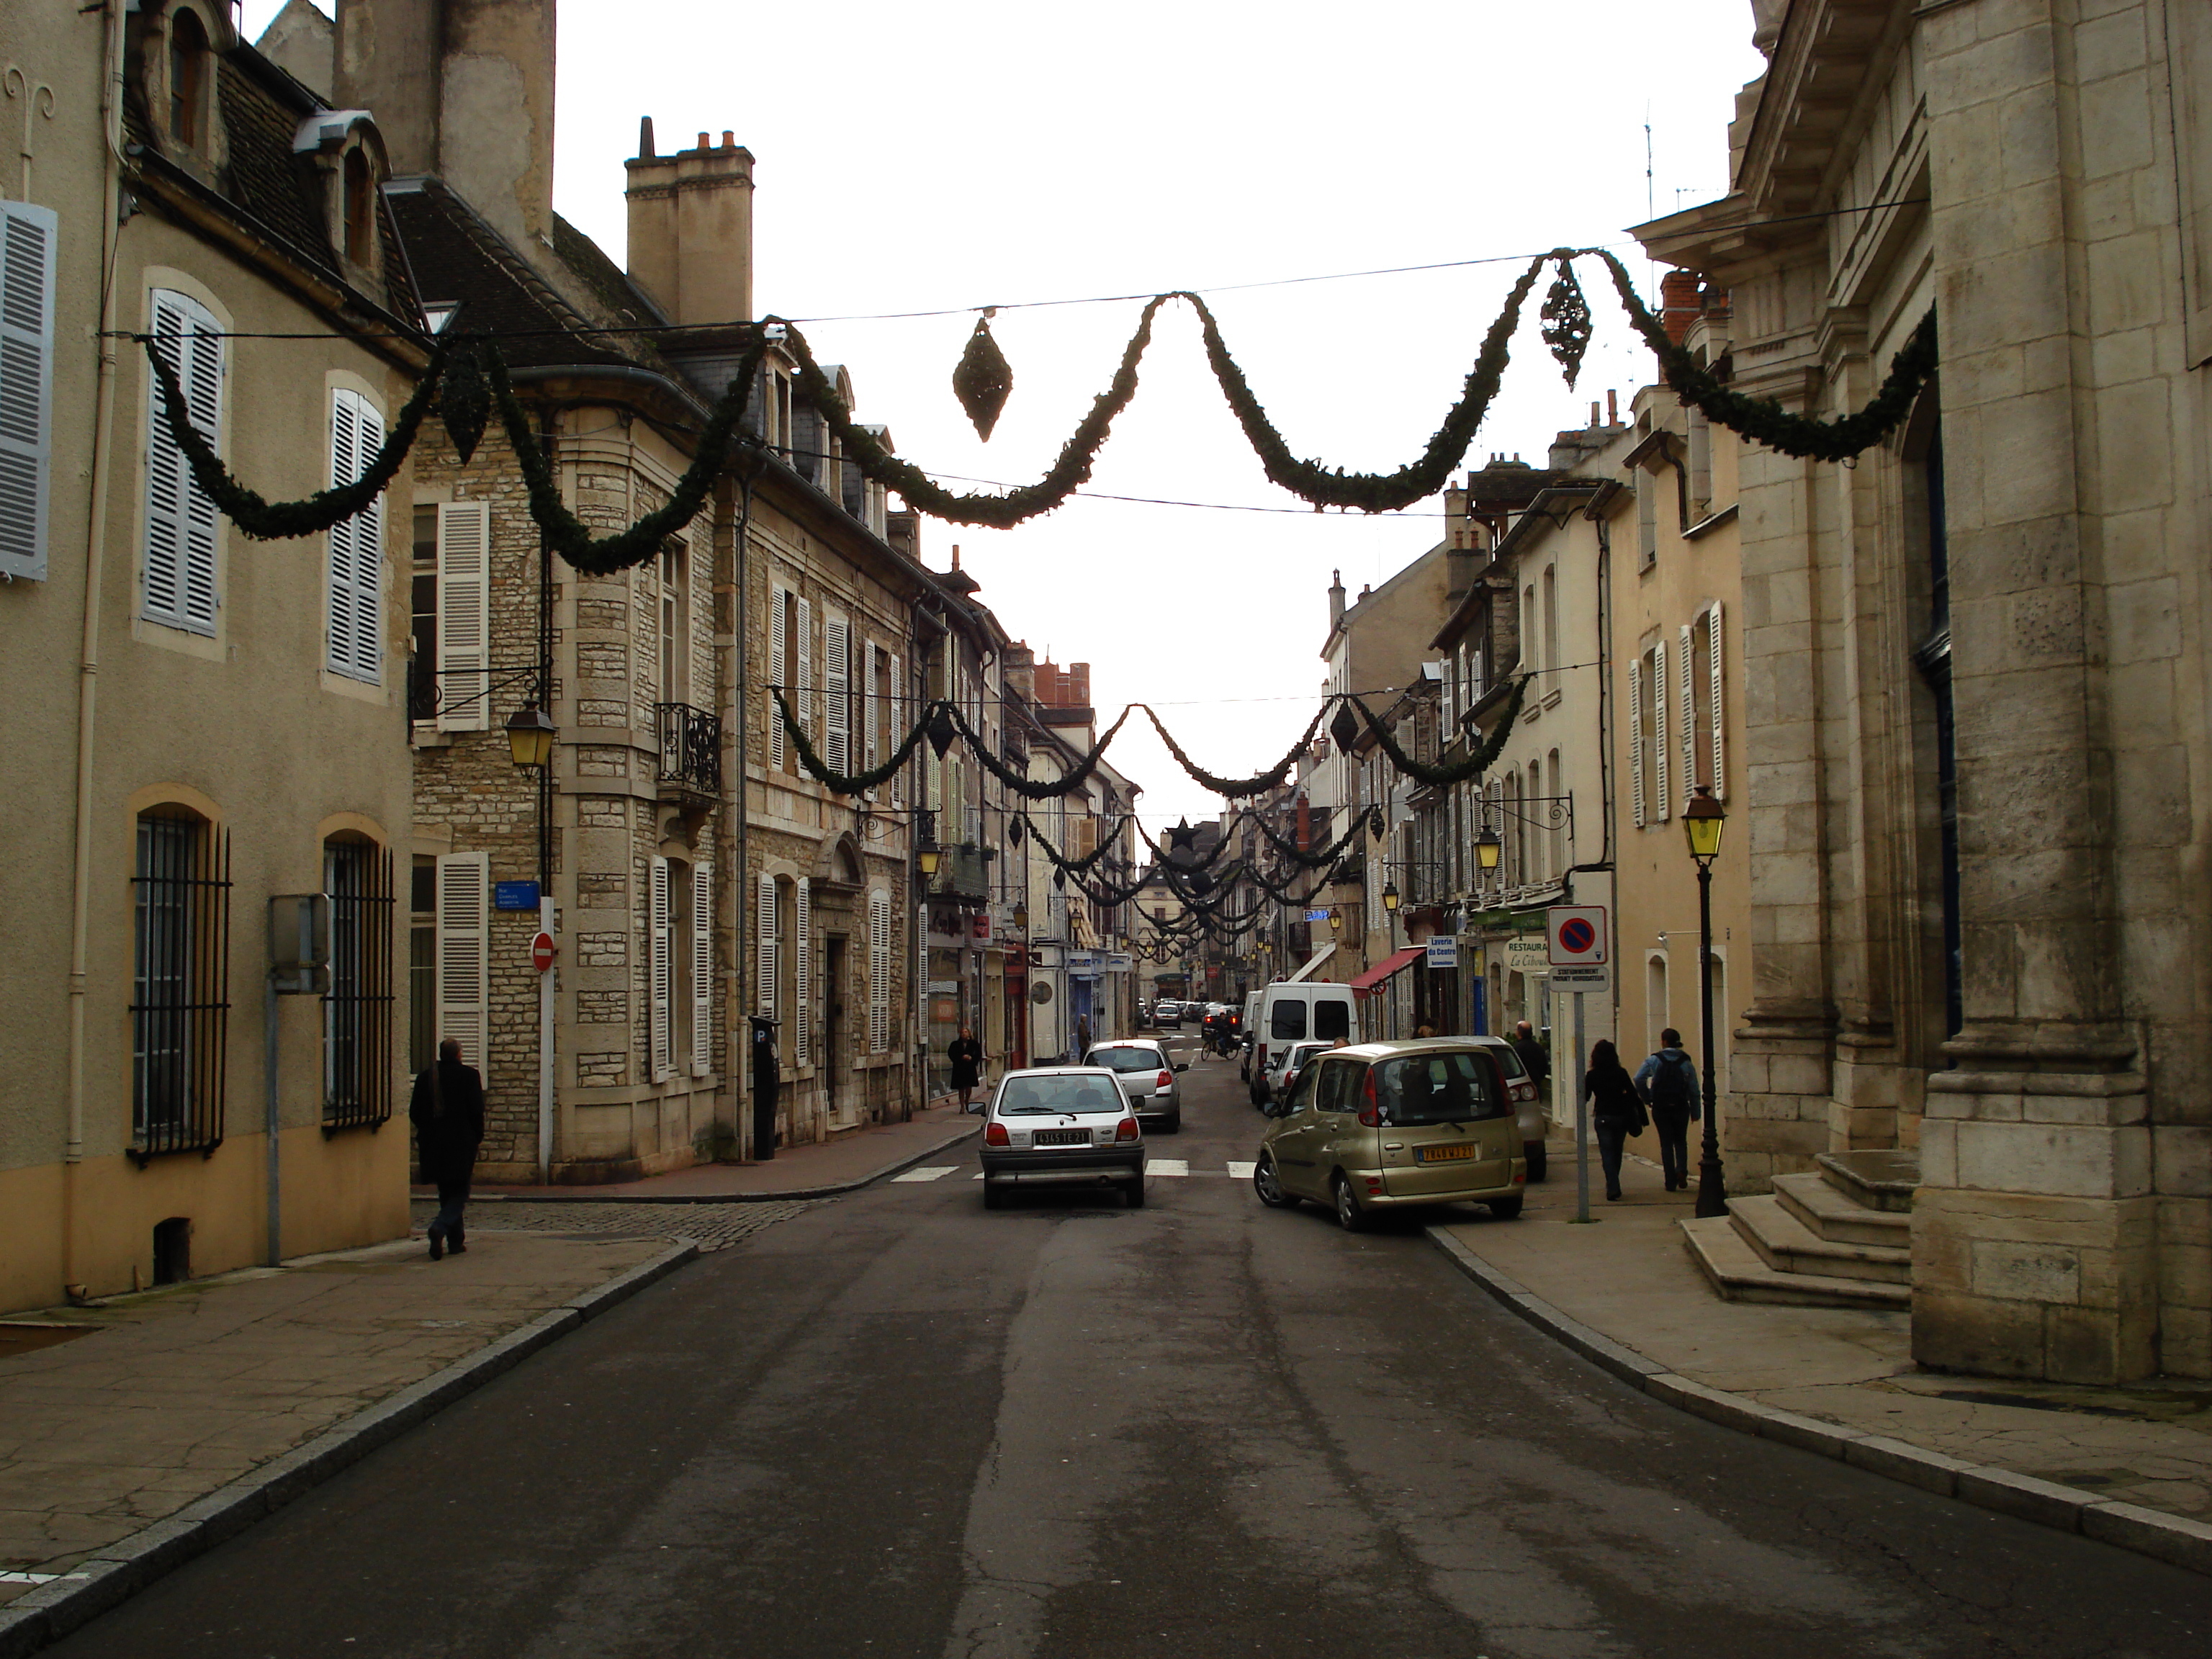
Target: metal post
{"x": 545, "y": 1041}
{"x": 1582, "y": 1116}
{"x": 1712, "y": 1192}
{"x": 276, "y": 1156}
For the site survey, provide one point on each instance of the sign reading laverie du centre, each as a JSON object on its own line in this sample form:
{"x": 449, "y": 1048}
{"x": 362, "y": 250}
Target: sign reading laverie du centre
{"x": 1581, "y": 942}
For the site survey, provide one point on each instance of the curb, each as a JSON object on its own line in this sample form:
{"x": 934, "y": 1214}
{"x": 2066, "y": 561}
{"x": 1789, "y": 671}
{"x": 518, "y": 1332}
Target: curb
{"x": 2172, "y": 1539}
{"x": 53, "y": 1610}
{"x": 557, "y": 1195}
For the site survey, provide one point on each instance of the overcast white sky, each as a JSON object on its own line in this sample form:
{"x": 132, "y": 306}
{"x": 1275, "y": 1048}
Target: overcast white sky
{"x": 910, "y": 157}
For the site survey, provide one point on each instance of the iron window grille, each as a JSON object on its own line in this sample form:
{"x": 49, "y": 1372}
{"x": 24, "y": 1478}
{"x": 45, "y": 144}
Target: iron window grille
{"x": 180, "y": 984}
{"x": 690, "y": 746}
{"x": 357, "y": 1008}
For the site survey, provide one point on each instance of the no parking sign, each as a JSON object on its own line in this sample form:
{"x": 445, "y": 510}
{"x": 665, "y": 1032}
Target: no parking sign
{"x": 1581, "y": 946}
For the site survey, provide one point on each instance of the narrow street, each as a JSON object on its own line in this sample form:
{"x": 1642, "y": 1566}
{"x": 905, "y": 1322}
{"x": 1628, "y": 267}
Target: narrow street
{"x": 895, "y": 1425}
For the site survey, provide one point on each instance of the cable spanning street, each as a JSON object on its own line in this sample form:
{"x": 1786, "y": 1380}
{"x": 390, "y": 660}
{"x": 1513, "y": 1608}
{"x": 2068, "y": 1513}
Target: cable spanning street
{"x": 893, "y": 1425}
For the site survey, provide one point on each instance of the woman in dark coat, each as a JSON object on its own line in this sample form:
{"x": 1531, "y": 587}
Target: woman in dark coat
{"x": 448, "y": 1112}
{"x": 1616, "y": 1109}
{"x": 967, "y": 1057}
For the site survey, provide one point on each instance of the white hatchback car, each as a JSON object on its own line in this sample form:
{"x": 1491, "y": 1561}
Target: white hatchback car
{"x": 1060, "y": 1124}
{"x": 1148, "y": 1077}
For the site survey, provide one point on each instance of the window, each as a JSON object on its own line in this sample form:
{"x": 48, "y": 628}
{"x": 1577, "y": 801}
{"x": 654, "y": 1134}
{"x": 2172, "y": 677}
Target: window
{"x": 1332, "y": 1020}
{"x": 674, "y": 631}
{"x": 188, "y": 71}
{"x": 422, "y": 593}
{"x": 1337, "y": 1088}
{"x": 1647, "y": 518}
{"x": 1533, "y": 838}
{"x": 661, "y": 969}
{"x": 837, "y": 693}
{"x": 1702, "y": 755}
{"x": 767, "y": 943}
{"x": 357, "y": 1009}
{"x": 699, "y": 957}
{"x": 1556, "y": 817}
{"x": 779, "y": 673}
{"x": 360, "y": 208}
{"x": 1551, "y": 617}
{"x": 802, "y": 973}
{"x": 422, "y": 964}
{"x": 879, "y": 972}
{"x": 180, "y": 1006}
{"x": 27, "y": 373}
{"x": 463, "y": 641}
{"x": 180, "y": 520}
{"x": 357, "y": 546}
{"x": 1531, "y": 642}
{"x": 1655, "y": 1000}
{"x": 463, "y": 939}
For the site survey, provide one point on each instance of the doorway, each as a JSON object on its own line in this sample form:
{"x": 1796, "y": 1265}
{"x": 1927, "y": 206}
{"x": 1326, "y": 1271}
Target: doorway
{"x": 833, "y": 1026}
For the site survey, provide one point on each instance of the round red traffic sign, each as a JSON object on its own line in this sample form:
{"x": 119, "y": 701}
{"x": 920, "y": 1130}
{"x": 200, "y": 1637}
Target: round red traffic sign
{"x": 541, "y": 952}
{"x": 1576, "y": 935}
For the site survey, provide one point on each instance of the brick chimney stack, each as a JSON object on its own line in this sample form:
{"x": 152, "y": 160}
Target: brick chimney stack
{"x": 692, "y": 227}
{"x": 1679, "y": 302}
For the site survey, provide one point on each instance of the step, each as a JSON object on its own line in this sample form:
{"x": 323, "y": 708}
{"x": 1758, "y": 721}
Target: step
{"x": 1883, "y": 1179}
{"x": 1839, "y": 1218}
{"x": 1740, "y": 1275}
{"x": 1788, "y": 1246}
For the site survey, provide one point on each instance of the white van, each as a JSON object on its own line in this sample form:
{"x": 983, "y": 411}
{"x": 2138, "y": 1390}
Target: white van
{"x": 1288, "y": 1014}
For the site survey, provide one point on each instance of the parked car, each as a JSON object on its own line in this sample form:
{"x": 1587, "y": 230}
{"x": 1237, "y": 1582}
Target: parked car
{"x": 1062, "y": 1124}
{"x": 1147, "y": 1077}
{"x": 1528, "y": 1101}
{"x": 1283, "y": 1065}
{"x": 1167, "y": 1011}
{"x": 1391, "y": 1125}
{"x": 1251, "y": 1023}
{"x": 1291, "y": 1012}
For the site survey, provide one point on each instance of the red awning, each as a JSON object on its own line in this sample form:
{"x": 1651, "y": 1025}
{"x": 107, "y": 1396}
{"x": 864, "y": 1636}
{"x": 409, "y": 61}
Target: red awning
{"x": 1372, "y": 982}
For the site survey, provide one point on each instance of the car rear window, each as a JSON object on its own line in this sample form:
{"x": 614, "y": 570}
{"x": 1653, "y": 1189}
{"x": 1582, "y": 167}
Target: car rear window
{"x": 1125, "y": 1059}
{"x": 1451, "y": 1088}
{"x": 1338, "y": 1090}
{"x": 1332, "y": 1020}
{"x": 1027, "y": 1096}
{"x": 1509, "y": 1057}
{"x": 1288, "y": 1021}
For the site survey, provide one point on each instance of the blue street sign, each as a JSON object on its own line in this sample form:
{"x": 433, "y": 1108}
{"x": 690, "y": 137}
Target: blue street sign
{"x": 514, "y": 895}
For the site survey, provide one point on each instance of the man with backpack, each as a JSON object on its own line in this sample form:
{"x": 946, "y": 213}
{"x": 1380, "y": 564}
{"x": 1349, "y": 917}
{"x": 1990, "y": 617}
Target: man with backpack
{"x": 1667, "y": 1080}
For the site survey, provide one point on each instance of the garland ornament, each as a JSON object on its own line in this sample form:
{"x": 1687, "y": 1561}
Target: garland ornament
{"x": 1566, "y": 317}
{"x": 982, "y": 378}
{"x": 1035, "y": 789}
{"x": 847, "y": 783}
{"x": 1235, "y": 787}
{"x": 1477, "y": 763}
{"x": 262, "y": 521}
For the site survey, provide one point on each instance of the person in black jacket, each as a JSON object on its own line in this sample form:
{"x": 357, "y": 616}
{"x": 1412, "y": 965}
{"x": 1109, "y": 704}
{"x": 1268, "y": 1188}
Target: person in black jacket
{"x": 1534, "y": 1056}
{"x": 967, "y": 1057}
{"x": 1616, "y": 1109}
{"x": 448, "y": 1112}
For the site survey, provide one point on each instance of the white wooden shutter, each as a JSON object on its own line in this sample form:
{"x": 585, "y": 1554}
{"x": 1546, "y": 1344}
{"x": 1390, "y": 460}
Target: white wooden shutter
{"x": 898, "y": 723}
{"x": 27, "y": 236}
{"x": 463, "y": 947}
{"x": 779, "y": 664}
{"x": 1719, "y": 706}
{"x": 464, "y": 615}
{"x": 702, "y": 969}
{"x": 180, "y": 518}
{"x": 871, "y": 711}
{"x": 357, "y": 546}
{"x": 658, "y": 969}
{"x": 1688, "y": 644}
{"x": 837, "y": 683}
{"x": 802, "y": 976}
{"x": 764, "y": 960}
{"x": 1636, "y": 737}
{"x": 803, "y": 700}
{"x": 1662, "y": 808}
{"x": 879, "y": 972}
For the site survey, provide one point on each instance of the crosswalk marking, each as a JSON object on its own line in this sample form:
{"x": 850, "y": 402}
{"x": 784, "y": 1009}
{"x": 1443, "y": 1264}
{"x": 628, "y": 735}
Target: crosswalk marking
{"x": 935, "y": 1173}
{"x": 1167, "y": 1166}
{"x": 1242, "y": 1171}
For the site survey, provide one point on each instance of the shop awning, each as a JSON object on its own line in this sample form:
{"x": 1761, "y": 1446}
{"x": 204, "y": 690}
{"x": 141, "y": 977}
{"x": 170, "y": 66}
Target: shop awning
{"x": 1372, "y": 982}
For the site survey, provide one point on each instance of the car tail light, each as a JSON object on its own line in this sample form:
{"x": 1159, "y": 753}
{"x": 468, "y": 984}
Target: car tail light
{"x": 1166, "y": 1081}
{"x": 995, "y": 1135}
{"x": 1370, "y": 1109}
{"x": 1126, "y": 1130}
{"x": 1524, "y": 1091}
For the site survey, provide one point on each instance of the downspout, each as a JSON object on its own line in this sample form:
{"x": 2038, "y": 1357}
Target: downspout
{"x": 110, "y": 229}
{"x": 742, "y": 884}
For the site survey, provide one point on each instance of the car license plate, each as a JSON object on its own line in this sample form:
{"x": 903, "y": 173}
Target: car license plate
{"x": 1062, "y": 1138}
{"x": 1445, "y": 1154}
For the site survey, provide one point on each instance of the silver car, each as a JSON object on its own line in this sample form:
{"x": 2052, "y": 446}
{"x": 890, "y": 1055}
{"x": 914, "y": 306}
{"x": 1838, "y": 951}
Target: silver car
{"x": 1148, "y": 1078}
{"x": 1062, "y": 1124}
{"x": 1529, "y": 1105}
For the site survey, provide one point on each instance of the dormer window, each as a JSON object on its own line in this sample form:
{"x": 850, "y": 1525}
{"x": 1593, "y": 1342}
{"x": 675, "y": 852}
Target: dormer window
{"x": 360, "y": 209}
{"x": 188, "y": 80}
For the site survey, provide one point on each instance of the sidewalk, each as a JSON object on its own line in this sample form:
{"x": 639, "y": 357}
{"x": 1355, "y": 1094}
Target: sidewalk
{"x": 1630, "y": 1278}
{"x": 120, "y": 1415}
{"x": 810, "y": 1171}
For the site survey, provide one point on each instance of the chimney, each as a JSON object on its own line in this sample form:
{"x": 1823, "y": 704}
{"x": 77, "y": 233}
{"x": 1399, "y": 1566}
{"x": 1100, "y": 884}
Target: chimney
{"x": 1612, "y": 407}
{"x": 462, "y": 88}
{"x": 1679, "y": 304}
{"x": 691, "y": 228}
{"x": 955, "y": 556}
{"x": 1335, "y": 601}
{"x": 1079, "y": 684}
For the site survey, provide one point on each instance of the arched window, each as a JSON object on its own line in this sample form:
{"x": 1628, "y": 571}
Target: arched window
{"x": 360, "y": 208}
{"x": 188, "y": 75}
{"x": 357, "y": 1007}
{"x": 181, "y": 990}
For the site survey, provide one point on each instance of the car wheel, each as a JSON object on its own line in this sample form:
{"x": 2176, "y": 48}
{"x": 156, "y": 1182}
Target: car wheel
{"x": 1269, "y": 1186}
{"x": 994, "y": 1198}
{"x": 1534, "y": 1150}
{"x": 1349, "y": 1215}
{"x": 1507, "y": 1209}
{"x": 1175, "y": 1122}
{"x": 1132, "y": 1193}
{"x": 1259, "y": 1092}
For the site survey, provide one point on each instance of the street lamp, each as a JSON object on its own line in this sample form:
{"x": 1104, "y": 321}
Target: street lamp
{"x": 1702, "y": 822}
{"x": 1391, "y": 896}
{"x": 1022, "y": 919}
{"x": 530, "y": 734}
{"x": 926, "y": 857}
{"x": 1335, "y": 920}
{"x": 1487, "y": 848}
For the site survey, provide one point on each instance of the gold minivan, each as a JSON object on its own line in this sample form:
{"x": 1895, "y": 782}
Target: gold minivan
{"x": 1386, "y": 1125}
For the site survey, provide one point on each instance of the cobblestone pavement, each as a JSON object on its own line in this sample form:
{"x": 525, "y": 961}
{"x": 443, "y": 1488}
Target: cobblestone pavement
{"x": 713, "y": 1226}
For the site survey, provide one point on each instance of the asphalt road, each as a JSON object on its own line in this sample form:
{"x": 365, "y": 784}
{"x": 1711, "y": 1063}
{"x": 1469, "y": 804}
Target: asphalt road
{"x": 898, "y": 1425}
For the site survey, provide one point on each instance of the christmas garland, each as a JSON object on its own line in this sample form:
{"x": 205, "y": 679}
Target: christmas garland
{"x": 845, "y": 783}
{"x": 1233, "y": 788}
{"x": 1028, "y": 789}
{"x": 1329, "y": 854}
{"x": 262, "y": 521}
{"x": 1478, "y": 762}
{"x": 1076, "y": 866}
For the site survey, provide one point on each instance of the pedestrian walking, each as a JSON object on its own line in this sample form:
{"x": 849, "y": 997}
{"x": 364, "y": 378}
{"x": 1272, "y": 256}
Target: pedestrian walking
{"x": 1534, "y": 1056}
{"x": 1616, "y": 1110}
{"x": 1669, "y": 1083}
{"x": 447, "y": 1111}
{"x": 967, "y": 1057}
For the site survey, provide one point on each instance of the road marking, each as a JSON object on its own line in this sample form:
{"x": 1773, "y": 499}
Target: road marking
{"x": 978, "y": 1176}
{"x": 1242, "y": 1171}
{"x": 1167, "y": 1166}
{"x": 933, "y": 1174}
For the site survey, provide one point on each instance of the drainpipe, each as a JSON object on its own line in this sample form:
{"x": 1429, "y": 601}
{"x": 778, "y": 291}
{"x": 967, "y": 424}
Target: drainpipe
{"x": 110, "y": 230}
{"x": 742, "y": 884}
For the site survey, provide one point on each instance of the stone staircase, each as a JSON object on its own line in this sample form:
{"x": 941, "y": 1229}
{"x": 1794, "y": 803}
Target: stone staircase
{"x": 1837, "y": 1237}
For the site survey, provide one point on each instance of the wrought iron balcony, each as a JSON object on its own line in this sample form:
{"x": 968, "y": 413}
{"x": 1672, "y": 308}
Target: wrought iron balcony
{"x": 691, "y": 748}
{"x": 963, "y": 874}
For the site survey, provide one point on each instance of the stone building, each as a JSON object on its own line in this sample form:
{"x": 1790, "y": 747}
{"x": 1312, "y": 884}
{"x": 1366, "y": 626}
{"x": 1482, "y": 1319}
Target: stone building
{"x": 1973, "y": 679}
{"x": 203, "y": 723}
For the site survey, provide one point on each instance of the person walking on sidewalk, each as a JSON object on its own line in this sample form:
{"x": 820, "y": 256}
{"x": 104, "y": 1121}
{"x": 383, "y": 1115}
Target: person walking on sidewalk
{"x": 1534, "y": 1057}
{"x": 448, "y": 1112}
{"x": 967, "y": 1057}
{"x": 1616, "y": 1109}
{"x": 1669, "y": 1083}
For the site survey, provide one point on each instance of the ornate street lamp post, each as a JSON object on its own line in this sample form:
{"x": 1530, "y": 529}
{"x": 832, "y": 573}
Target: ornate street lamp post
{"x": 1703, "y": 822}
{"x": 530, "y": 735}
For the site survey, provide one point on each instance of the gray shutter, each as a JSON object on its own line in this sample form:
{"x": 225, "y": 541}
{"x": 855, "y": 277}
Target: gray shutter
{"x": 464, "y": 615}
{"x": 765, "y": 961}
{"x": 28, "y": 237}
{"x": 1663, "y": 806}
{"x": 180, "y": 518}
{"x": 837, "y": 683}
{"x": 357, "y": 546}
{"x": 1687, "y": 642}
{"x": 659, "y": 971}
{"x": 702, "y": 969}
{"x": 802, "y": 975}
{"x": 779, "y": 664}
{"x": 463, "y": 944}
{"x": 1636, "y": 737}
{"x": 1719, "y": 706}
